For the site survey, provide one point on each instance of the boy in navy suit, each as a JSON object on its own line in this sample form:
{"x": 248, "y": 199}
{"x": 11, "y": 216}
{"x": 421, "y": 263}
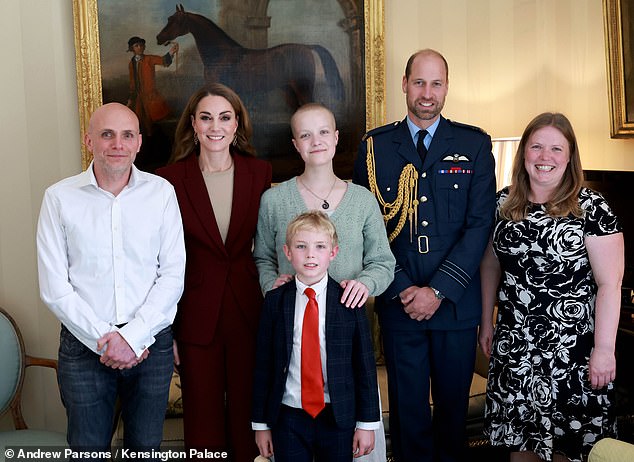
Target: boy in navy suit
{"x": 315, "y": 395}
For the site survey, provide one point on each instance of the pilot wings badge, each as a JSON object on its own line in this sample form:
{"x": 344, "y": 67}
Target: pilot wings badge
{"x": 456, "y": 158}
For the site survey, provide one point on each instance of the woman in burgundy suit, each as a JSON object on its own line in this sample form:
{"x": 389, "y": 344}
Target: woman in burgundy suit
{"x": 218, "y": 183}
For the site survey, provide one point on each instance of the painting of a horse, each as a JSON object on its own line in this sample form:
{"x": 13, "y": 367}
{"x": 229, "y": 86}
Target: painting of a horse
{"x": 291, "y": 67}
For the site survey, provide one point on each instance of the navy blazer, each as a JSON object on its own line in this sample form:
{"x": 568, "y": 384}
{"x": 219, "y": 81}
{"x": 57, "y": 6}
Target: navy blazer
{"x": 455, "y": 215}
{"x": 350, "y": 362}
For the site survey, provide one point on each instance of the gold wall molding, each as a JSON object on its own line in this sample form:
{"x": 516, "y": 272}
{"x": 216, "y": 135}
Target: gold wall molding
{"x": 374, "y": 13}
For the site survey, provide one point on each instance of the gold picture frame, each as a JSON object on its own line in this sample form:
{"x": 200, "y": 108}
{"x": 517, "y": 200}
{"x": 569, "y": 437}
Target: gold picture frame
{"x": 619, "y": 43}
{"x": 89, "y": 72}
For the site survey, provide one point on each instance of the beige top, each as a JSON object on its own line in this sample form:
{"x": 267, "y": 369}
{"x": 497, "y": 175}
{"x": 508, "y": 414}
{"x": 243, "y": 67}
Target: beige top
{"x": 220, "y": 189}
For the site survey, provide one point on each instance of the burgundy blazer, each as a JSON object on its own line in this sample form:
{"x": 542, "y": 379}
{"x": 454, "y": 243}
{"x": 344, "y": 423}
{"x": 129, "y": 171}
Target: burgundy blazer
{"x": 218, "y": 275}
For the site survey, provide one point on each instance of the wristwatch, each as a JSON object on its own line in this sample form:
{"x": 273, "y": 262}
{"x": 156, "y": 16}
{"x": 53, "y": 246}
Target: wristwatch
{"x": 437, "y": 293}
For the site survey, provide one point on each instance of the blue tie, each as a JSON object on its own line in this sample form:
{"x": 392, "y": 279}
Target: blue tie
{"x": 420, "y": 145}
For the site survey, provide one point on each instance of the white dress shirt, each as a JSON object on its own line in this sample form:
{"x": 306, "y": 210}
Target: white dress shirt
{"x": 293, "y": 392}
{"x": 106, "y": 260}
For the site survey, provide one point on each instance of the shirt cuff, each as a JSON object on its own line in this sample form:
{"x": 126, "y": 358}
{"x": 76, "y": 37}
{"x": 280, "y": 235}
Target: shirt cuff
{"x": 368, "y": 425}
{"x": 259, "y": 426}
{"x": 134, "y": 333}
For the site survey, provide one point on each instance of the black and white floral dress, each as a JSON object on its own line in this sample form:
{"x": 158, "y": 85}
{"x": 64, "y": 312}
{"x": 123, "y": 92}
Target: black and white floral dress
{"x": 539, "y": 397}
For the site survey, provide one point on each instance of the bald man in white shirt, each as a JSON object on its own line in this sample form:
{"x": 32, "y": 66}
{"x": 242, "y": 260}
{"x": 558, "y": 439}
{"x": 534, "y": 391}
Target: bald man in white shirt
{"x": 111, "y": 261}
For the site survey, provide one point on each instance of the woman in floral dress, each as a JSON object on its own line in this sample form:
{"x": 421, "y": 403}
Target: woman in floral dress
{"x": 556, "y": 257}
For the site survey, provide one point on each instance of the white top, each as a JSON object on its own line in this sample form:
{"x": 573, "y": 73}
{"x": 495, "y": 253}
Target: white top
{"x": 105, "y": 260}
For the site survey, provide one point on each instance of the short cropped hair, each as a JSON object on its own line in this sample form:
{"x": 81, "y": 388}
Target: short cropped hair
{"x": 311, "y": 107}
{"x": 426, "y": 51}
{"x": 312, "y": 221}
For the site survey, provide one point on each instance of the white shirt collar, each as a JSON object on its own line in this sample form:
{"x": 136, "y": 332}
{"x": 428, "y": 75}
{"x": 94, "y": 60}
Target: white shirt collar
{"x": 89, "y": 178}
{"x": 318, "y": 287}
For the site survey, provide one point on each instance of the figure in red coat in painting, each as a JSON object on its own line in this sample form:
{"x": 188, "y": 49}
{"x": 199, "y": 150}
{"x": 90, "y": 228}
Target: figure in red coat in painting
{"x": 144, "y": 99}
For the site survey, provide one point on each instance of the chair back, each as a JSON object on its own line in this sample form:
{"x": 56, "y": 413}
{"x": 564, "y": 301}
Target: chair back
{"x": 12, "y": 362}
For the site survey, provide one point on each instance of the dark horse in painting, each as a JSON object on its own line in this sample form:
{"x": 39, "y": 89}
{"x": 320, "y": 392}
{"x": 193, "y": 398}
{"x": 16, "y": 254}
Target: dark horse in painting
{"x": 291, "y": 66}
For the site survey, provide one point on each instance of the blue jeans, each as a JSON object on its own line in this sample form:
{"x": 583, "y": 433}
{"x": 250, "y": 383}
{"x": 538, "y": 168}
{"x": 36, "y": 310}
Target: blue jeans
{"x": 89, "y": 391}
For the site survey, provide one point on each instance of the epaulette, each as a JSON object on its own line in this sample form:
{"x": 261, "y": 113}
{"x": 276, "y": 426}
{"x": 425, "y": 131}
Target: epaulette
{"x": 470, "y": 127}
{"x": 381, "y": 129}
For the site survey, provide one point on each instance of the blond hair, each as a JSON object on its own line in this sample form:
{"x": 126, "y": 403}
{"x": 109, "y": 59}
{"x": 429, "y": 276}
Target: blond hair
{"x": 565, "y": 200}
{"x": 312, "y": 221}
{"x": 311, "y": 107}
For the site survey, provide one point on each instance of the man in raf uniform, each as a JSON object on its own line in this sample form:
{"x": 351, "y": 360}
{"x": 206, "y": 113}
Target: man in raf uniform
{"x": 435, "y": 182}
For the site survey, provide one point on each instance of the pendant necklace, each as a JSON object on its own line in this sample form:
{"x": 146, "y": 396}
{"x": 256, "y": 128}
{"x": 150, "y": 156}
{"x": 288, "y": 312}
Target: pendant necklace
{"x": 325, "y": 205}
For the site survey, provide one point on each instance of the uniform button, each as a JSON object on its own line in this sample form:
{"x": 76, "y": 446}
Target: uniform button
{"x": 455, "y": 186}
{"x": 424, "y": 175}
{"x": 425, "y": 223}
{"x": 423, "y": 198}
{"x": 388, "y": 188}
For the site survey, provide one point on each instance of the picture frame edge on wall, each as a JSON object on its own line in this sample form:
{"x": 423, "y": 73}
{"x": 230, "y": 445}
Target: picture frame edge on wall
{"x": 620, "y": 126}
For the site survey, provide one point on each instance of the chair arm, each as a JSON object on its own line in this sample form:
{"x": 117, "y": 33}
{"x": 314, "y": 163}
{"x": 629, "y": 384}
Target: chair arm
{"x": 45, "y": 362}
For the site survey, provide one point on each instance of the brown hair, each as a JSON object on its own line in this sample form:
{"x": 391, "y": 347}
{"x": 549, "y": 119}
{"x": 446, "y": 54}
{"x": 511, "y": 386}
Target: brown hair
{"x": 565, "y": 199}
{"x": 184, "y": 136}
{"x": 313, "y": 220}
{"x": 426, "y": 51}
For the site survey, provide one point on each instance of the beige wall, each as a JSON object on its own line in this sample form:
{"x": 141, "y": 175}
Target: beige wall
{"x": 39, "y": 133}
{"x": 509, "y": 60}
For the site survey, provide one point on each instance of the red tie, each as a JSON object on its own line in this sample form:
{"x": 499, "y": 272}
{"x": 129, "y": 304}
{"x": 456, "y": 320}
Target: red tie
{"x": 312, "y": 379}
